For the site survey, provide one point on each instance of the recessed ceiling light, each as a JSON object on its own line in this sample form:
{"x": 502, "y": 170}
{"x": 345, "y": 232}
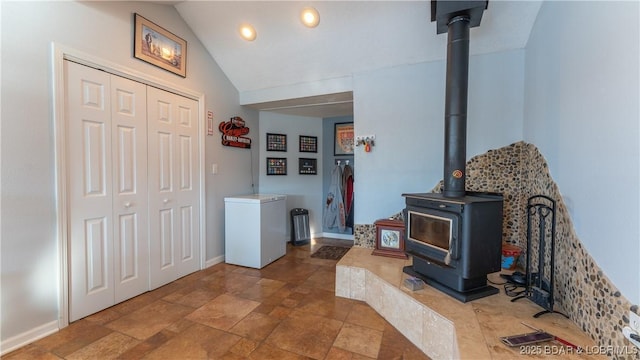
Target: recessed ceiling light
{"x": 310, "y": 17}
{"x": 247, "y": 32}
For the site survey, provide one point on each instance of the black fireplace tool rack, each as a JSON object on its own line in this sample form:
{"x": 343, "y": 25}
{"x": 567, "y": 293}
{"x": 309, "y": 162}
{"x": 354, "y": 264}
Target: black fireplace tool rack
{"x": 541, "y": 226}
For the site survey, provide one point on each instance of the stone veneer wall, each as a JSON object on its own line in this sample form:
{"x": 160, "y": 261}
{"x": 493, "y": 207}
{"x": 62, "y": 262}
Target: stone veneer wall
{"x": 582, "y": 291}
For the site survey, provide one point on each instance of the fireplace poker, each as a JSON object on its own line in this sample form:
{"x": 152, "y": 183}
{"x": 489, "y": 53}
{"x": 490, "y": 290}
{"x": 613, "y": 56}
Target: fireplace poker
{"x": 556, "y": 338}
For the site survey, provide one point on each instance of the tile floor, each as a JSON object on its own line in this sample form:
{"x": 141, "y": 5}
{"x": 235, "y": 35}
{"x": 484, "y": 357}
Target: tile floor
{"x": 287, "y": 310}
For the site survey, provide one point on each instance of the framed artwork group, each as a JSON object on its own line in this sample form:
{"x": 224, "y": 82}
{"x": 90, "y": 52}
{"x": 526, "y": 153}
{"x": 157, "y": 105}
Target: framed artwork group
{"x": 278, "y": 165}
{"x": 343, "y": 145}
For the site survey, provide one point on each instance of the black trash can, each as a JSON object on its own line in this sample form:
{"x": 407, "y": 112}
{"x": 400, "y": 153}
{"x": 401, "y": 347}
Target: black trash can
{"x": 300, "y": 233}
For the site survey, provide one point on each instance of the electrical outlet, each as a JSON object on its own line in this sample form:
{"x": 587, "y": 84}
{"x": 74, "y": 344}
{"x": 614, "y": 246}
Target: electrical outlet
{"x": 634, "y": 321}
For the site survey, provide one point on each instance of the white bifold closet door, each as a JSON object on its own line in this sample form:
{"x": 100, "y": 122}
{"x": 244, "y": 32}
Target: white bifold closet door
{"x": 133, "y": 190}
{"x": 174, "y": 213}
{"x": 106, "y": 123}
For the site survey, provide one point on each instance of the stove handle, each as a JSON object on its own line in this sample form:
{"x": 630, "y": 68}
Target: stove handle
{"x": 453, "y": 248}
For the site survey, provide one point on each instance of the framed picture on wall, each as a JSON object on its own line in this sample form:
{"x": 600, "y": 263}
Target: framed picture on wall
{"x": 276, "y": 142}
{"x": 308, "y": 144}
{"x": 159, "y": 47}
{"x": 343, "y": 140}
{"x": 307, "y": 166}
{"x": 276, "y": 166}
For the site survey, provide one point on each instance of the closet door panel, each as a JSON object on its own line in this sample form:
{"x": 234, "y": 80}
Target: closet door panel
{"x": 185, "y": 161}
{"x": 164, "y": 151}
{"x": 88, "y": 155}
{"x": 129, "y": 268}
{"x": 161, "y": 123}
{"x": 167, "y": 241}
{"x": 187, "y": 193}
{"x": 107, "y": 189}
{"x": 96, "y": 243}
{"x": 187, "y": 240}
{"x": 173, "y": 168}
{"x": 131, "y": 242}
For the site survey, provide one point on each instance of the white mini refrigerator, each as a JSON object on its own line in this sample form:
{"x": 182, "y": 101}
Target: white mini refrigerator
{"x": 255, "y": 229}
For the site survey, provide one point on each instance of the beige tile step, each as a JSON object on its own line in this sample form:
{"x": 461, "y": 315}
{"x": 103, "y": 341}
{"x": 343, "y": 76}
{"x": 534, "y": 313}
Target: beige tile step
{"x": 445, "y": 328}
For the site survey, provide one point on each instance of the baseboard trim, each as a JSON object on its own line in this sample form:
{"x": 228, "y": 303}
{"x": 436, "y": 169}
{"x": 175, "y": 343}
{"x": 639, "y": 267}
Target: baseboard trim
{"x": 338, "y": 236}
{"x": 216, "y": 260}
{"x": 28, "y": 337}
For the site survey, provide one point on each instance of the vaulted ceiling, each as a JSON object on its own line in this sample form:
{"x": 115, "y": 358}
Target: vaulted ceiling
{"x": 352, "y": 37}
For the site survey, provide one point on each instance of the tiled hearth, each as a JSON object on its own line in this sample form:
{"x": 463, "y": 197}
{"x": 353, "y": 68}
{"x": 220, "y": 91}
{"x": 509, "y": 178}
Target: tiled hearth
{"x": 519, "y": 171}
{"x": 444, "y": 328}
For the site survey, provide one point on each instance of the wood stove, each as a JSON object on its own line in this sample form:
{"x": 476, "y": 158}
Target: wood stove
{"x": 454, "y": 242}
{"x": 455, "y": 237}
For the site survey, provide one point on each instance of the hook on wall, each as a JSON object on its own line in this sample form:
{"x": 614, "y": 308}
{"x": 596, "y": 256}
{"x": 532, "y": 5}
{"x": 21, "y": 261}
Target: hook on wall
{"x": 367, "y": 140}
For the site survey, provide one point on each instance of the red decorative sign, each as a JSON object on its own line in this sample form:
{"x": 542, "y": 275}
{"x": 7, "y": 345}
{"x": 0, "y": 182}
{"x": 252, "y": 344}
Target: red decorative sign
{"x": 232, "y": 132}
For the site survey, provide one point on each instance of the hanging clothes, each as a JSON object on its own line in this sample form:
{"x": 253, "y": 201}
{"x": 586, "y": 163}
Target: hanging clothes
{"x": 334, "y": 213}
{"x": 347, "y": 194}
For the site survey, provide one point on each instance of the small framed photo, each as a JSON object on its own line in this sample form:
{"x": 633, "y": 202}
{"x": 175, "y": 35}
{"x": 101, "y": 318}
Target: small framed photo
{"x": 159, "y": 47}
{"x": 343, "y": 141}
{"x": 276, "y": 142}
{"x": 276, "y": 166}
{"x": 390, "y": 238}
{"x": 307, "y": 166}
{"x": 308, "y": 144}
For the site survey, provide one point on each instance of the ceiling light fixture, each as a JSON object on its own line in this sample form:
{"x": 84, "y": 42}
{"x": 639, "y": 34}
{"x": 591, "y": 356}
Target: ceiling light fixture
{"x": 247, "y": 32}
{"x": 310, "y": 17}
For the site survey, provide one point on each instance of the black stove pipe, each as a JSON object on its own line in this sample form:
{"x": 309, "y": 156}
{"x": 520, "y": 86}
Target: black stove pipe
{"x": 455, "y": 132}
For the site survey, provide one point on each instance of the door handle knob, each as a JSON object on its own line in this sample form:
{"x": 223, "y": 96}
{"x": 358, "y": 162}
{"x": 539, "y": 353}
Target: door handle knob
{"x": 127, "y": 204}
{"x": 165, "y": 201}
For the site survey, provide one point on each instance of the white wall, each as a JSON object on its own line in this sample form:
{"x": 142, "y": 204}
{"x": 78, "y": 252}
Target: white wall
{"x": 404, "y": 108}
{"x": 29, "y": 247}
{"x": 581, "y": 110}
{"x": 303, "y": 191}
